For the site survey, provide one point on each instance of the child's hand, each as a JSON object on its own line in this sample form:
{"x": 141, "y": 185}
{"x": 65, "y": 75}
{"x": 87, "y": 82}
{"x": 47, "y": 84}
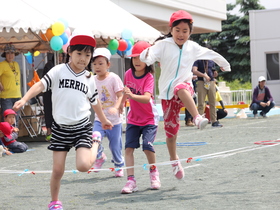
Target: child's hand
{"x": 121, "y": 109}
{"x": 15, "y": 129}
{"x": 107, "y": 125}
{"x": 8, "y": 153}
{"x": 113, "y": 111}
{"x": 1, "y": 134}
{"x": 127, "y": 92}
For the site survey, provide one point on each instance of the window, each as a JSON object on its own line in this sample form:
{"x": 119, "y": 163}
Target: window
{"x": 272, "y": 66}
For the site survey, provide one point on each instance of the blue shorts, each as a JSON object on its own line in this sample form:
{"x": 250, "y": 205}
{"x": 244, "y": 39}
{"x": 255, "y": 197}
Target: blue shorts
{"x": 133, "y": 133}
{"x": 64, "y": 137}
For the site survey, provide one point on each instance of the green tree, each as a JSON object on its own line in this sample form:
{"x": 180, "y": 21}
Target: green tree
{"x": 233, "y": 42}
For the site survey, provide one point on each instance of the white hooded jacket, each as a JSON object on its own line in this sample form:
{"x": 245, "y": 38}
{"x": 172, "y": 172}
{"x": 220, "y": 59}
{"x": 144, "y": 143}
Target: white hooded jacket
{"x": 176, "y": 64}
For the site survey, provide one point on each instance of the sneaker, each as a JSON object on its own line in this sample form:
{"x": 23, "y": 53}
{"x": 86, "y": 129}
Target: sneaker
{"x": 189, "y": 123}
{"x": 200, "y": 122}
{"x": 178, "y": 170}
{"x": 129, "y": 187}
{"x": 256, "y": 116}
{"x": 154, "y": 178}
{"x": 55, "y": 205}
{"x": 216, "y": 124}
{"x": 99, "y": 162}
{"x": 263, "y": 115}
{"x": 119, "y": 173}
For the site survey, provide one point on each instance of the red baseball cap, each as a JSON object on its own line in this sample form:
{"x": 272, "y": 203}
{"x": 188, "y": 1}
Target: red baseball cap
{"x": 138, "y": 48}
{"x": 83, "y": 40}
{"x": 5, "y": 127}
{"x": 9, "y": 111}
{"x": 180, "y": 15}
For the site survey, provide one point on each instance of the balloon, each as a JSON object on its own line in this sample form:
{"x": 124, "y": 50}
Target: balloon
{"x": 58, "y": 28}
{"x": 126, "y": 34}
{"x": 48, "y": 35}
{"x": 29, "y": 59}
{"x": 56, "y": 43}
{"x": 128, "y": 52}
{"x": 68, "y": 32}
{"x": 132, "y": 41}
{"x": 65, "y": 23}
{"x": 64, "y": 38}
{"x": 113, "y": 44}
{"x": 64, "y": 47}
{"x": 36, "y": 53}
{"x": 112, "y": 51}
{"x": 122, "y": 45}
{"x": 129, "y": 45}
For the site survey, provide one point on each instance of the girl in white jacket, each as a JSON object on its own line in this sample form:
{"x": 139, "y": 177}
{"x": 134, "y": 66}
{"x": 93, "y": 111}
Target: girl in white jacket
{"x": 176, "y": 55}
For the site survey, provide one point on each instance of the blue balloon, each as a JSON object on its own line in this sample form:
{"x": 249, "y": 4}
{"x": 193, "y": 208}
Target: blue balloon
{"x": 129, "y": 52}
{"x": 29, "y": 59}
{"x": 113, "y": 52}
{"x": 126, "y": 34}
{"x": 56, "y": 43}
{"x": 129, "y": 44}
{"x": 64, "y": 38}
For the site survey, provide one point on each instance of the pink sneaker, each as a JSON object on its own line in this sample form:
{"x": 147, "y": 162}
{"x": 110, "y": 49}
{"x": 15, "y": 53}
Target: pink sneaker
{"x": 129, "y": 187}
{"x": 119, "y": 173}
{"x": 178, "y": 170}
{"x": 55, "y": 205}
{"x": 200, "y": 122}
{"x": 99, "y": 162}
{"x": 154, "y": 177}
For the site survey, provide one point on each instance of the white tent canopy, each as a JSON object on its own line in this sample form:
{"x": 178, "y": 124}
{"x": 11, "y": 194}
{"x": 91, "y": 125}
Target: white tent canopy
{"x": 104, "y": 19}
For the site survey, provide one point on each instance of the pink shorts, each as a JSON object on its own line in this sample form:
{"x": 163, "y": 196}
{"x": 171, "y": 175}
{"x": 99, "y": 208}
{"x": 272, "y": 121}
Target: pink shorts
{"x": 171, "y": 109}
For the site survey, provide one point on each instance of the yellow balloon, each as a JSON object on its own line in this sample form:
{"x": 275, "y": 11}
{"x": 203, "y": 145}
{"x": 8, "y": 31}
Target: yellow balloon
{"x": 58, "y": 28}
{"x": 36, "y": 53}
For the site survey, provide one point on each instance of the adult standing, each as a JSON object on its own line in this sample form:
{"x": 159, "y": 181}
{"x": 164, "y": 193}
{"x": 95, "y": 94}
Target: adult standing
{"x": 204, "y": 69}
{"x": 47, "y": 96}
{"x": 10, "y": 81}
{"x": 262, "y": 99}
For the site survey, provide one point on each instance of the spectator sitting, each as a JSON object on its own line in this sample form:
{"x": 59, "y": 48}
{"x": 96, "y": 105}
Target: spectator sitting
{"x": 9, "y": 134}
{"x": 262, "y": 99}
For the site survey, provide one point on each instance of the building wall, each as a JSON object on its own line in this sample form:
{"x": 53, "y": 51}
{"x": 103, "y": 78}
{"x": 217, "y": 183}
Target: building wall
{"x": 265, "y": 38}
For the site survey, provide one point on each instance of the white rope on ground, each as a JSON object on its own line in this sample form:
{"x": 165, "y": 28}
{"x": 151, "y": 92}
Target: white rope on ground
{"x": 146, "y": 166}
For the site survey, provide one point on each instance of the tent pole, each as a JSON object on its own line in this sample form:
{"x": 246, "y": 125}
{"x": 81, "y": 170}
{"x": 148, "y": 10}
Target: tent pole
{"x": 24, "y": 80}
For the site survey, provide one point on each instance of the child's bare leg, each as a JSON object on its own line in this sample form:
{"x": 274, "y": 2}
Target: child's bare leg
{"x": 85, "y": 157}
{"x": 151, "y": 156}
{"x": 129, "y": 160}
{"x": 188, "y": 101}
{"x": 57, "y": 173}
{"x": 171, "y": 146}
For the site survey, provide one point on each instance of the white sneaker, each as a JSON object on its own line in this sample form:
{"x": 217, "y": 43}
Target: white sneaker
{"x": 256, "y": 116}
{"x": 200, "y": 122}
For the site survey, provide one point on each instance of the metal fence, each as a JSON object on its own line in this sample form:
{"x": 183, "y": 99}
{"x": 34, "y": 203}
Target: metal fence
{"x": 237, "y": 96}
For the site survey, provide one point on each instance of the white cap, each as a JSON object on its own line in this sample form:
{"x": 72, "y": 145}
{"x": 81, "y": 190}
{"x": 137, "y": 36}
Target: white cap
{"x": 262, "y": 78}
{"x": 104, "y": 52}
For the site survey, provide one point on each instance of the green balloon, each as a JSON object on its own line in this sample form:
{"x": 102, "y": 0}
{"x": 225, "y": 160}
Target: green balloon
{"x": 113, "y": 44}
{"x": 132, "y": 41}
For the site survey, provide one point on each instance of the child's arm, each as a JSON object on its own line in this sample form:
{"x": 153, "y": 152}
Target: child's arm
{"x": 139, "y": 98}
{"x": 32, "y": 92}
{"x": 115, "y": 108}
{"x": 106, "y": 124}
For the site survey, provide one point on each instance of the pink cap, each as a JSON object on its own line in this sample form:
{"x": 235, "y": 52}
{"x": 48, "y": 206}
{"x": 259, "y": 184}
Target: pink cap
{"x": 9, "y": 111}
{"x": 180, "y": 15}
{"x": 5, "y": 127}
{"x": 138, "y": 48}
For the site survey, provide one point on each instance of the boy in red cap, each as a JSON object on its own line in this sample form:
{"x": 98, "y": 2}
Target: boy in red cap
{"x": 10, "y": 134}
{"x": 177, "y": 54}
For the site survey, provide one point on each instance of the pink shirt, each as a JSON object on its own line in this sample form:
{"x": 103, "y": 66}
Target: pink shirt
{"x": 139, "y": 113}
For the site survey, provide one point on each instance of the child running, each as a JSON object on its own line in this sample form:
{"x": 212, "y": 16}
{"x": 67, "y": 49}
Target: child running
{"x": 73, "y": 87}
{"x": 110, "y": 91}
{"x": 142, "y": 118}
{"x": 176, "y": 55}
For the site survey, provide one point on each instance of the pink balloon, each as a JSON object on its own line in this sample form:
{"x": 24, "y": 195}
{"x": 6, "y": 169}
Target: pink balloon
{"x": 68, "y": 32}
{"x": 64, "y": 47}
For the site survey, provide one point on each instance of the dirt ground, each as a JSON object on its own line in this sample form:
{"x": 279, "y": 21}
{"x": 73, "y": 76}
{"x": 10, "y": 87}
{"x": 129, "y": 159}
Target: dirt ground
{"x": 228, "y": 170}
